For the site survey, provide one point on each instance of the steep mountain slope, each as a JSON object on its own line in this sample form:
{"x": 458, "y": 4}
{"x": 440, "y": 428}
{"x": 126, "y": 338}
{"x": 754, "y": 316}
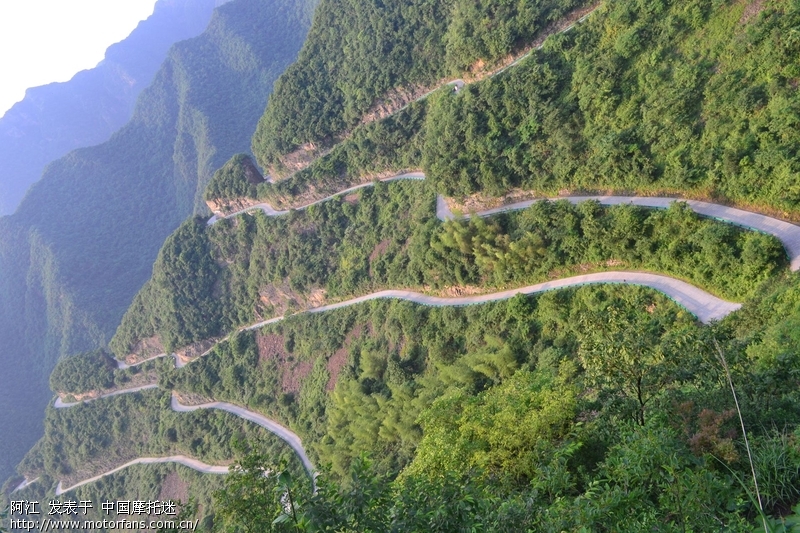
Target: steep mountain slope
{"x": 700, "y": 101}
{"x": 363, "y": 56}
{"x": 592, "y": 408}
{"x": 53, "y": 119}
{"x": 85, "y": 237}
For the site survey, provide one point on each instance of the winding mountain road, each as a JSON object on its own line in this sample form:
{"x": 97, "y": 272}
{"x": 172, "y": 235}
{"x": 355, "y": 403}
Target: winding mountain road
{"x": 285, "y": 434}
{"x": 59, "y": 404}
{"x": 787, "y": 233}
{"x": 706, "y": 307}
{"x": 457, "y": 85}
{"x": 272, "y": 212}
{"x": 180, "y": 459}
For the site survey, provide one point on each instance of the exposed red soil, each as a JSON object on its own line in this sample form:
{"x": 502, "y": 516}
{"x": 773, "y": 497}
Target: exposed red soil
{"x": 145, "y": 349}
{"x": 188, "y": 353}
{"x": 291, "y": 372}
{"x": 752, "y": 10}
{"x": 379, "y": 250}
{"x": 174, "y": 488}
{"x": 339, "y": 358}
{"x": 270, "y": 347}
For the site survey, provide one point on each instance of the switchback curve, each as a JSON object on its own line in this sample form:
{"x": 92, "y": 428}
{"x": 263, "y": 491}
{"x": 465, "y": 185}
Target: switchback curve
{"x": 787, "y": 233}
{"x": 705, "y": 306}
{"x": 272, "y": 212}
{"x": 285, "y": 434}
{"x": 180, "y": 459}
{"x": 60, "y": 404}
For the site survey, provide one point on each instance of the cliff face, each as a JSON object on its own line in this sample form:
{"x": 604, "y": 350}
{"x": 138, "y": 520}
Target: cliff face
{"x": 53, "y": 119}
{"x": 85, "y": 237}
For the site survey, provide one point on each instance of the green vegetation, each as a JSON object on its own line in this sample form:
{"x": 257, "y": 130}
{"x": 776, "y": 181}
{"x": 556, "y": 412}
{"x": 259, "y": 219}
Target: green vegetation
{"x": 89, "y": 371}
{"x": 373, "y": 150}
{"x": 357, "y": 52}
{"x": 598, "y": 408}
{"x": 536, "y": 413}
{"x": 89, "y": 439}
{"x": 144, "y": 483}
{"x": 683, "y": 96}
{"x": 93, "y": 372}
{"x": 692, "y": 98}
{"x": 208, "y": 280}
{"x": 182, "y": 289}
{"x": 389, "y": 145}
{"x": 238, "y": 178}
{"x": 84, "y": 239}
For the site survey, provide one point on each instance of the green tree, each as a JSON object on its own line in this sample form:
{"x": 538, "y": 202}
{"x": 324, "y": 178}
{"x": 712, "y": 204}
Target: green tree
{"x": 634, "y": 354}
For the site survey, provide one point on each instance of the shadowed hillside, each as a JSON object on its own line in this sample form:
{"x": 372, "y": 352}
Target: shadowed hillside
{"x": 85, "y": 238}
{"x": 53, "y": 119}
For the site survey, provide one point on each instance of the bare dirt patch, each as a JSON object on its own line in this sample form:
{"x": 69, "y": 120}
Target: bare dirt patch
{"x": 270, "y": 347}
{"x": 339, "y": 358}
{"x": 458, "y": 291}
{"x": 293, "y": 377}
{"x": 138, "y": 379}
{"x": 297, "y": 160}
{"x": 291, "y": 372}
{"x": 174, "y": 488}
{"x": 188, "y": 353}
{"x": 314, "y": 192}
{"x": 144, "y": 349}
{"x": 395, "y": 100}
{"x": 481, "y": 202}
{"x": 226, "y": 206}
{"x": 379, "y": 250}
{"x": 276, "y": 300}
{"x": 751, "y": 10}
{"x": 398, "y": 98}
{"x": 191, "y": 398}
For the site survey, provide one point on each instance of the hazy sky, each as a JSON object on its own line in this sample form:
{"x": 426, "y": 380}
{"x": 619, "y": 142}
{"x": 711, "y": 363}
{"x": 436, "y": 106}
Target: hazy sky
{"x": 43, "y": 41}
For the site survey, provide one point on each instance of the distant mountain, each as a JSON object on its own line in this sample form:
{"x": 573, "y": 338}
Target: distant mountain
{"x": 84, "y": 239}
{"x": 53, "y": 119}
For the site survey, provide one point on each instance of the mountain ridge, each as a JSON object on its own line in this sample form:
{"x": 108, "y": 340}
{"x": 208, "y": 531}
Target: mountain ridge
{"x": 120, "y": 199}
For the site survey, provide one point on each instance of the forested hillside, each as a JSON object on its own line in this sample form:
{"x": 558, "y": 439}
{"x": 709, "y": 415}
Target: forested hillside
{"x": 359, "y": 52}
{"x": 208, "y": 280}
{"x": 539, "y": 126}
{"x": 85, "y": 238}
{"x": 603, "y": 407}
{"x": 696, "y": 97}
{"x": 698, "y": 100}
{"x": 53, "y": 119}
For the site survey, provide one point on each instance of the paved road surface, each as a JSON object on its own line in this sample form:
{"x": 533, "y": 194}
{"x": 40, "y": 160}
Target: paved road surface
{"x": 270, "y": 425}
{"x": 273, "y": 427}
{"x": 62, "y": 405}
{"x": 122, "y": 365}
{"x": 180, "y": 459}
{"x": 706, "y": 307}
{"x": 272, "y": 212}
{"x": 457, "y": 85}
{"x": 24, "y": 484}
{"x": 702, "y": 304}
{"x": 787, "y": 233}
